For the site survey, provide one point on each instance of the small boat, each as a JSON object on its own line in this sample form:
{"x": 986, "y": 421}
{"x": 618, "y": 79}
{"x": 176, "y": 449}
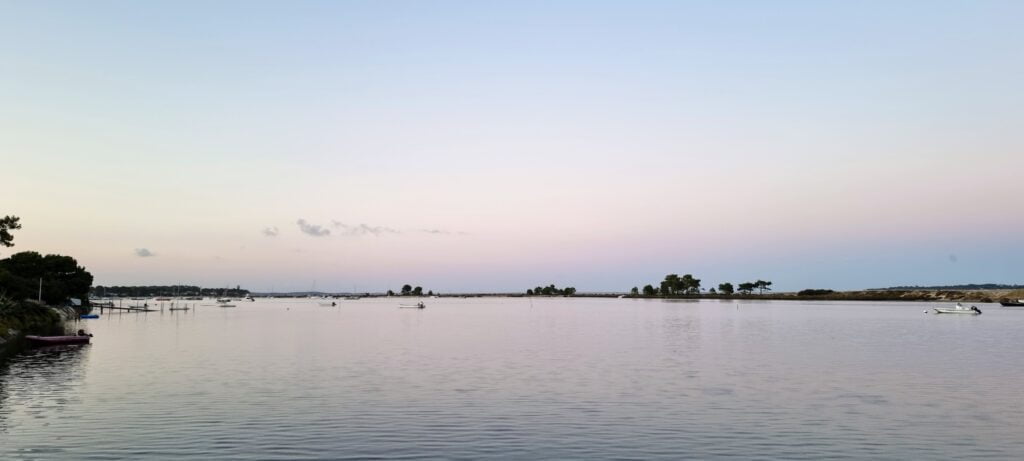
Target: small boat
{"x": 418, "y": 305}
{"x": 56, "y": 340}
{"x": 1008, "y": 303}
{"x": 223, "y": 300}
{"x": 352, "y": 298}
{"x": 89, "y": 316}
{"x": 177, "y": 308}
{"x": 225, "y": 305}
{"x": 162, "y": 299}
{"x": 959, "y": 309}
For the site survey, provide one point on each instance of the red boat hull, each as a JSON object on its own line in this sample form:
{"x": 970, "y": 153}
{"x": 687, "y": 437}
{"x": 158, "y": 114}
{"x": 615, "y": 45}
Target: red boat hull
{"x": 55, "y": 340}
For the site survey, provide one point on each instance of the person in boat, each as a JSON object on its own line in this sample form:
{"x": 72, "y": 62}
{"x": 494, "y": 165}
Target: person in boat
{"x": 83, "y": 333}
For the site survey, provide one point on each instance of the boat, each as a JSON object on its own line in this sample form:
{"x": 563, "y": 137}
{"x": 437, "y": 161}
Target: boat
{"x": 959, "y": 309}
{"x": 162, "y": 299}
{"x": 89, "y": 316}
{"x": 223, "y": 300}
{"x": 352, "y": 298}
{"x": 225, "y": 305}
{"x": 56, "y": 340}
{"x": 177, "y": 308}
{"x": 1008, "y": 303}
{"x": 418, "y": 305}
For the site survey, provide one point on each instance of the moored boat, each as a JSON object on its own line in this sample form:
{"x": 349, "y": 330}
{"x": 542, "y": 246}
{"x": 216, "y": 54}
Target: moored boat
{"x": 56, "y": 340}
{"x": 959, "y": 309}
{"x": 89, "y": 316}
{"x": 1009, "y": 303}
{"x": 418, "y": 305}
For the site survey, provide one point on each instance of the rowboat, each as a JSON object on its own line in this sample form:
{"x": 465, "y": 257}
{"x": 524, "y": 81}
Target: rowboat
{"x": 959, "y": 309}
{"x": 419, "y": 305}
{"x": 56, "y": 340}
{"x": 1017, "y": 303}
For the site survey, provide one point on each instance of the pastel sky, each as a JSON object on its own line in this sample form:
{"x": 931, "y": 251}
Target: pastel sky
{"x": 495, "y": 146}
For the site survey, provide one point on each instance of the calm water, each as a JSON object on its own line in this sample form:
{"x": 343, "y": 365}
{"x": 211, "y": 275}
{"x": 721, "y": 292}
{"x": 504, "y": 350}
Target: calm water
{"x": 507, "y": 379}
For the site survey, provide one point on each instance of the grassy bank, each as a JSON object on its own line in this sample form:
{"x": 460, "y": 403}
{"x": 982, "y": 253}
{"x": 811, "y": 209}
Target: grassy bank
{"x": 19, "y": 318}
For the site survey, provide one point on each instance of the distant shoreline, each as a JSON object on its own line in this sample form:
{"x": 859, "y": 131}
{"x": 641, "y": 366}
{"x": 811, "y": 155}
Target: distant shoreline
{"x": 980, "y": 296}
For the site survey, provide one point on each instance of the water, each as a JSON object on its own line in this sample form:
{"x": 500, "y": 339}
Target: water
{"x": 520, "y": 379}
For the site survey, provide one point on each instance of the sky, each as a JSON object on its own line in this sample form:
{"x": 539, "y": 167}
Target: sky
{"x": 496, "y": 146}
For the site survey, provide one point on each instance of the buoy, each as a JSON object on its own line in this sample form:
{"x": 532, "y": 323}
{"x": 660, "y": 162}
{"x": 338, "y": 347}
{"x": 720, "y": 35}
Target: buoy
{"x": 926, "y": 311}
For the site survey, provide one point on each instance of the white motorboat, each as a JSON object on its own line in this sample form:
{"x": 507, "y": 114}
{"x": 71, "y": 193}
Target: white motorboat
{"x": 959, "y": 309}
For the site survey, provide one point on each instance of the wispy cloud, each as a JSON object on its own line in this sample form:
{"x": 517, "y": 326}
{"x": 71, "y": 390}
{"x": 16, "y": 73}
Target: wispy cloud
{"x": 377, "y": 231}
{"x": 363, "y": 229}
{"x": 143, "y": 253}
{"x": 314, "y": 230}
{"x": 271, "y": 231}
{"x": 440, "y": 232}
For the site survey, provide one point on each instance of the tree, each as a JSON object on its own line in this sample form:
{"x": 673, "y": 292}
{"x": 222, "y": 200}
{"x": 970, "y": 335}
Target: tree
{"x": 650, "y": 290}
{"x": 8, "y": 223}
{"x": 635, "y": 291}
{"x": 746, "y": 287}
{"x": 391, "y": 293}
{"x": 406, "y": 289}
{"x": 725, "y": 288}
{"x": 670, "y": 284}
{"x": 689, "y": 285}
{"x": 529, "y": 292}
{"x": 762, "y": 285}
{"x": 569, "y": 291}
{"x": 712, "y": 291}
{"x": 62, "y": 277}
{"x": 430, "y": 293}
{"x": 418, "y": 291}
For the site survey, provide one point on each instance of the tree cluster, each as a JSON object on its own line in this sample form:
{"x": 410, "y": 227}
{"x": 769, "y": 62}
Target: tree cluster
{"x": 748, "y": 287}
{"x": 551, "y": 290}
{"x": 674, "y": 285}
{"x": 408, "y": 290}
{"x": 62, "y": 277}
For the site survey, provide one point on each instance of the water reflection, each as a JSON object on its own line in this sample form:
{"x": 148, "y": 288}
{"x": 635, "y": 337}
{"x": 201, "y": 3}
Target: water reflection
{"x": 523, "y": 379}
{"x": 39, "y": 383}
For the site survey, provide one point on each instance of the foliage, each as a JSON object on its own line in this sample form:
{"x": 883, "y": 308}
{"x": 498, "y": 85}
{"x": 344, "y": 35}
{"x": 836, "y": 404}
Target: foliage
{"x": 814, "y": 292}
{"x": 7, "y": 224}
{"x": 551, "y": 290}
{"x": 26, "y": 317}
{"x": 62, "y": 277}
{"x": 650, "y": 290}
{"x": 725, "y": 288}
{"x": 762, "y": 285}
{"x": 676, "y": 285}
{"x": 746, "y": 288}
{"x": 408, "y": 290}
{"x": 391, "y": 293}
{"x": 635, "y": 291}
